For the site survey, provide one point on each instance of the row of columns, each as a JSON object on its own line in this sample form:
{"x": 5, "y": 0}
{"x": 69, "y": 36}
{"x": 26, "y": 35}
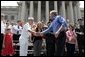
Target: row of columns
{"x": 63, "y": 10}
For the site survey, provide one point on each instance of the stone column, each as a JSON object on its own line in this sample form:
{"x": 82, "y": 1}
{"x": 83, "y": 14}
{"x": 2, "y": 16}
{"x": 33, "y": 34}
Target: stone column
{"x": 71, "y": 16}
{"x": 55, "y": 5}
{"x": 39, "y": 11}
{"x": 23, "y": 10}
{"x": 63, "y": 9}
{"x": 31, "y": 9}
{"x": 78, "y": 10}
{"x": 19, "y": 11}
{"x": 47, "y": 11}
{"x": 66, "y": 12}
{"x": 75, "y": 12}
{"x": 26, "y": 14}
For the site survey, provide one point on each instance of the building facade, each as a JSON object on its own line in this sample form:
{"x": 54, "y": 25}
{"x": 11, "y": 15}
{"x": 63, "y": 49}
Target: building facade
{"x": 10, "y": 12}
{"x": 40, "y": 10}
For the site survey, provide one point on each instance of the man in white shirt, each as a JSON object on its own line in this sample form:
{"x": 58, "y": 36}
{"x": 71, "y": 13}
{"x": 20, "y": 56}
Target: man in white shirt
{"x": 16, "y": 30}
{"x": 25, "y": 36}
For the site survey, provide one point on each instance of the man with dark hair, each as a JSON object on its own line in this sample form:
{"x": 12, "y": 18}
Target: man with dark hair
{"x": 80, "y": 36}
{"x": 17, "y": 29}
{"x": 49, "y": 22}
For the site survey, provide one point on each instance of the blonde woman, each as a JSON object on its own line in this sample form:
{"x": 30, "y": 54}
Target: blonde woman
{"x": 38, "y": 40}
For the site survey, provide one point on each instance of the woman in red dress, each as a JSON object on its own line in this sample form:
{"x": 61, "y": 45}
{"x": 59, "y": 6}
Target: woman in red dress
{"x": 8, "y": 44}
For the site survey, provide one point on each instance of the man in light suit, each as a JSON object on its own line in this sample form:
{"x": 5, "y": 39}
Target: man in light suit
{"x": 25, "y": 36}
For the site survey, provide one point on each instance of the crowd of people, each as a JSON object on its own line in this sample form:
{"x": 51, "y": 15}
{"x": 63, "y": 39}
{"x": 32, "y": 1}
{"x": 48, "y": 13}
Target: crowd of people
{"x": 57, "y": 34}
